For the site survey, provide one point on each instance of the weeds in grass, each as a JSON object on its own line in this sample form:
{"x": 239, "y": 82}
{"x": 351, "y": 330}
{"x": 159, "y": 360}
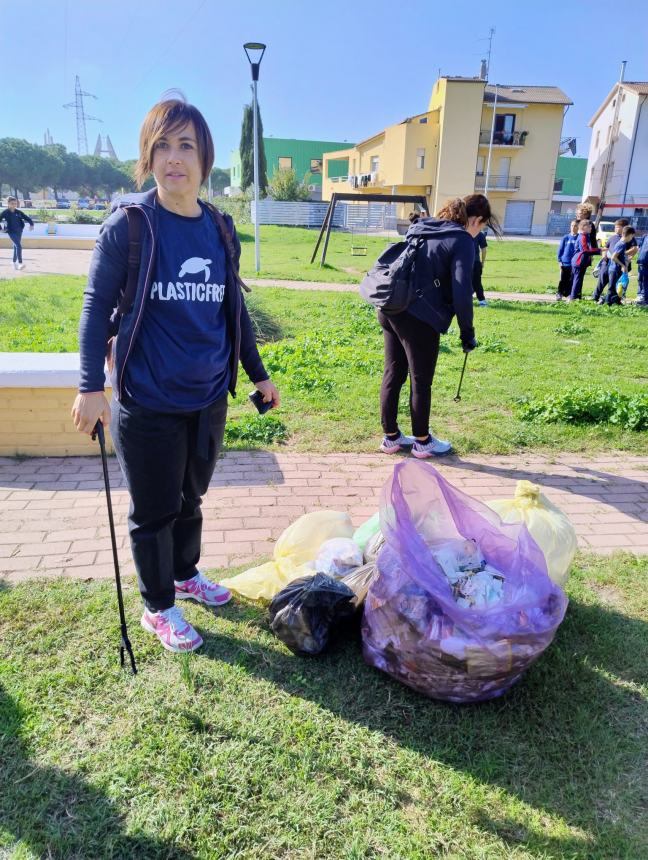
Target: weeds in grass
{"x": 588, "y": 406}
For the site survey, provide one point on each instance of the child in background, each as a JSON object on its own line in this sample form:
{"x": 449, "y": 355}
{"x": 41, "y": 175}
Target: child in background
{"x": 619, "y": 263}
{"x": 642, "y": 276}
{"x": 565, "y": 254}
{"x": 604, "y": 275}
{"x": 582, "y": 258}
{"x": 16, "y": 221}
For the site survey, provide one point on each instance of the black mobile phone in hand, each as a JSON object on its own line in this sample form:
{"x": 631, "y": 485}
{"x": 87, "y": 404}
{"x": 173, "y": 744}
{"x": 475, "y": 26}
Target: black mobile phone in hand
{"x": 257, "y": 398}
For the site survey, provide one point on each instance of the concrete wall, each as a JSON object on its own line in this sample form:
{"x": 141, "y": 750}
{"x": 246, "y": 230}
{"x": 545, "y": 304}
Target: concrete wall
{"x": 36, "y": 422}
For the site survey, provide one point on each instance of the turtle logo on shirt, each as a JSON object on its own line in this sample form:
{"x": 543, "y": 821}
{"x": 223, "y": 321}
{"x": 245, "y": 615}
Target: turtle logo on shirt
{"x": 194, "y": 265}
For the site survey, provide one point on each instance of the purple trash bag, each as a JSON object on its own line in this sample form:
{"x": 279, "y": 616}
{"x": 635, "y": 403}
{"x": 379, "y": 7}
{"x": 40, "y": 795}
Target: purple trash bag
{"x": 414, "y": 630}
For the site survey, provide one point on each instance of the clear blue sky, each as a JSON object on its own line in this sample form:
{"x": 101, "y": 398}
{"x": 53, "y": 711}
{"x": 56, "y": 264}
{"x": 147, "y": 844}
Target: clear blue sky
{"x": 333, "y": 70}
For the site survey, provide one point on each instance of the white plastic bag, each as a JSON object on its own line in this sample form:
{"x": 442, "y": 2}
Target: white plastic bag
{"x": 338, "y": 557}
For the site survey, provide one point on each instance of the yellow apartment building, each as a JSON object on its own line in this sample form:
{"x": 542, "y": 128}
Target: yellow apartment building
{"x": 444, "y": 152}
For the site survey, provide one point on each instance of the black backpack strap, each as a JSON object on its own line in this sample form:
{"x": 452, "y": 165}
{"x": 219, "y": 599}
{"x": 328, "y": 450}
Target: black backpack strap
{"x": 228, "y": 242}
{"x": 134, "y": 218}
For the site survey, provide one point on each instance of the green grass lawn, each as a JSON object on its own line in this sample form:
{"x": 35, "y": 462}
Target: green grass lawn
{"x": 511, "y": 266}
{"x": 243, "y": 750}
{"x": 327, "y": 359}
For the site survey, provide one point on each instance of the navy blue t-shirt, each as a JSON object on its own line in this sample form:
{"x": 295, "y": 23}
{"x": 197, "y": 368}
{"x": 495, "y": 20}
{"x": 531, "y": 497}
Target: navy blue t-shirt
{"x": 180, "y": 362}
{"x": 480, "y": 242}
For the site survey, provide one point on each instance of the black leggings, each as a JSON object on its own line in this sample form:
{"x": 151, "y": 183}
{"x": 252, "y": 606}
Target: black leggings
{"x": 410, "y": 346}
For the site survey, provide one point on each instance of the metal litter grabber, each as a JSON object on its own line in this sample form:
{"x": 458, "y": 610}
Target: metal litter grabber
{"x": 463, "y": 370}
{"x": 125, "y": 642}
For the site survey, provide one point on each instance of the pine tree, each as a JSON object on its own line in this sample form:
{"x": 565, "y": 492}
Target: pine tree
{"x": 246, "y": 150}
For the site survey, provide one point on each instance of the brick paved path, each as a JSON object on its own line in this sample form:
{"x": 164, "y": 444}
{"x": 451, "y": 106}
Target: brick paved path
{"x": 53, "y": 516}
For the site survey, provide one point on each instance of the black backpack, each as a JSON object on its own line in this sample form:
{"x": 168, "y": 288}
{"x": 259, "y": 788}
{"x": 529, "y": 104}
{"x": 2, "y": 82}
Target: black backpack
{"x": 390, "y": 284}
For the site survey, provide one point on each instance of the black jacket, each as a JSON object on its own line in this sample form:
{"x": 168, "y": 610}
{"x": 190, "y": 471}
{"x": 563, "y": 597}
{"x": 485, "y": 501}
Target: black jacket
{"x": 106, "y": 281}
{"x": 443, "y": 270}
{"x": 16, "y": 220}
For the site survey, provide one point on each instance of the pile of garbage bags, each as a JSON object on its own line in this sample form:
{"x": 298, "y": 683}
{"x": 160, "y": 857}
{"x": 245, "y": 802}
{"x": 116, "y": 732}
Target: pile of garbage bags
{"x": 462, "y": 603}
{"x": 457, "y": 597}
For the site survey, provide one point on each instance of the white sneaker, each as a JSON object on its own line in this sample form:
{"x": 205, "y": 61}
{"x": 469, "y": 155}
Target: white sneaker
{"x": 171, "y": 628}
{"x": 21, "y": 265}
{"x": 433, "y": 448}
{"x": 16, "y": 266}
{"x": 394, "y": 446}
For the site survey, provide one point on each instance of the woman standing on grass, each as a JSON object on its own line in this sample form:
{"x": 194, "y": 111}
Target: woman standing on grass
{"x": 443, "y": 271}
{"x": 176, "y": 356}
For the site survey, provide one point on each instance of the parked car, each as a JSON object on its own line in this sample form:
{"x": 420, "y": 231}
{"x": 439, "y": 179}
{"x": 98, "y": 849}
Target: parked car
{"x": 62, "y": 203}
{"x": 100, "y": 204}
{"x": 83, "y": 203}
{"x": 605, "y": 230}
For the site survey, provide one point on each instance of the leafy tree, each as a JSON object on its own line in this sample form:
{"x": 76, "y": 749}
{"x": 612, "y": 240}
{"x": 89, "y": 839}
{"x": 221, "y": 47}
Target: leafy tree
{"x": 246, "y": 149}
{"x": 220, "y": 178}
{"x": 284, "y": 185}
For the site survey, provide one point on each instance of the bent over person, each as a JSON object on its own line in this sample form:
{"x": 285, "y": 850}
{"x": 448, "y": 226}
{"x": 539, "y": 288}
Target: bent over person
{"x": 175, "y": 357}
{"x": 443, "y": 273}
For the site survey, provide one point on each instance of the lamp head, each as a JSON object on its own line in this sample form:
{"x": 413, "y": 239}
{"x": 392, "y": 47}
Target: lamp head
{"x": 254, "y": 52}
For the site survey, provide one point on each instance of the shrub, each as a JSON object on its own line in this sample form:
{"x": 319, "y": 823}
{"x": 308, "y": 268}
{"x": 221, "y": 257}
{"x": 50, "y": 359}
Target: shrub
{"x": 262, "y": 429}
{"x": 588, "y": 406}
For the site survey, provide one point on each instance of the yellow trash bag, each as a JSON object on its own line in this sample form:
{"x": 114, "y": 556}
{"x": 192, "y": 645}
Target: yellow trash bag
{"x": 298, "y": 545}
{"x": 549, "y": 527}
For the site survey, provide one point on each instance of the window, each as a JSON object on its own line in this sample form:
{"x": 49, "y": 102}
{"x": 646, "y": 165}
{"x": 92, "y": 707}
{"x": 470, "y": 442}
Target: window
{"x": 316, "y": 165}
{"x": 609, "y": 132}
{"x": 504, "y": 128}
{"x": 423, "y": 120}
{"x": 558, "y": 185}
{"x": 480, "y": 165}
{"x": 598, "y": 139}
{"x": 285, "y": 162}
{"x": 420, "y": 158}
{"x": 374, "y": 164}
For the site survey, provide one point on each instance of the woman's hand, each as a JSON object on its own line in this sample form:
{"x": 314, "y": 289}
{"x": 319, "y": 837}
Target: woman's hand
{"x": 269, "y": 391}
{"x": 31, "y": 226}
{"x": 88, "y": 409}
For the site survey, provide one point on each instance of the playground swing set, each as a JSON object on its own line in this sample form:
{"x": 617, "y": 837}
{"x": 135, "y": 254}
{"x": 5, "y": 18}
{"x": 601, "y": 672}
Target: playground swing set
{"x": 359, "y": 238}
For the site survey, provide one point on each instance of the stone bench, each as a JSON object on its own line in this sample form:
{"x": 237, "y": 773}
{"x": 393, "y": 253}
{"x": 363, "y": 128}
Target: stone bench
{"x": 37, "y": 390}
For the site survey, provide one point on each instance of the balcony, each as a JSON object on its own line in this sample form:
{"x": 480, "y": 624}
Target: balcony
{"x": 503, "y": 138}
{"x": 497, "y": 183}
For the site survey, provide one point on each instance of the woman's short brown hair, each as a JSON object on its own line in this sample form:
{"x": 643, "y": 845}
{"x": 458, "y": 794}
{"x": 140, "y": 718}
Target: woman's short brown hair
{"x": 163, "y": 118}
{"x": 474, "y": 205}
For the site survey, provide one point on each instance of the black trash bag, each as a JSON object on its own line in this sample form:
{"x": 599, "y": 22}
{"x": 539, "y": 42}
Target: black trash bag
{"x": 303, "y": 614}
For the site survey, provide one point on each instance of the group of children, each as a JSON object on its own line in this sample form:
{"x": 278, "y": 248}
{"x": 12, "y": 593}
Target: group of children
{"x": 15, "y": 221}
{"x": 575, "y": 256}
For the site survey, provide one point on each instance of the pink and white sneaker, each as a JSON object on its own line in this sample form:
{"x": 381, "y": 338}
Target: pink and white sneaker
{"x": 203, "y": 590}
{"x": 171, "y": 628}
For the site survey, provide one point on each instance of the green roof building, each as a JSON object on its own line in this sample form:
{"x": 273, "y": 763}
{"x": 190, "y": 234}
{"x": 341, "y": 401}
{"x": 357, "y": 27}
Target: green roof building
{"x": 303, "y": 156}
{"x": 568, "y": 184}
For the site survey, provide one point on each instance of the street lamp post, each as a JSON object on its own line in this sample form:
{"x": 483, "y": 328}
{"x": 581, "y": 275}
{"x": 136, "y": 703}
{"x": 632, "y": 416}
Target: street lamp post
{"x": 255, "y": 52}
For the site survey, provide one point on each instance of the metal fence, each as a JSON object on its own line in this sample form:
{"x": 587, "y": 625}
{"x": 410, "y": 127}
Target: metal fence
{"x": 348, "y": 216}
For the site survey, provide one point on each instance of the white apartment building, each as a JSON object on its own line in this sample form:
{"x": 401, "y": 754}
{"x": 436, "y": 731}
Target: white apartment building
{"x": 617, "y": 166}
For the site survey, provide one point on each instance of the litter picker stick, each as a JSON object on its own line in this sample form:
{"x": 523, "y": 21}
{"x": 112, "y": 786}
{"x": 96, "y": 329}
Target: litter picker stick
{"x": 125, "y": 642}
{"x": 463, "y": 370}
